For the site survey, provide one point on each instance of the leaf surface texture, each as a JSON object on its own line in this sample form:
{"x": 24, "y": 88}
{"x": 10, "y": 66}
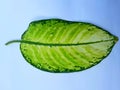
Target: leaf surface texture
{"x": 57, "y": 45}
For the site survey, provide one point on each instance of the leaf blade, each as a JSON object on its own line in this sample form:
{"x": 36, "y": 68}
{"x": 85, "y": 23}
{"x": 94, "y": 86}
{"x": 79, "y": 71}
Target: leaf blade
{"x": 66, "y": 46}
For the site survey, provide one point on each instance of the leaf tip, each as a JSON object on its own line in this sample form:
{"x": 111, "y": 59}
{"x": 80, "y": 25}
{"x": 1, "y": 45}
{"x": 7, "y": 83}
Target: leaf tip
{"x": 116, "y": 39}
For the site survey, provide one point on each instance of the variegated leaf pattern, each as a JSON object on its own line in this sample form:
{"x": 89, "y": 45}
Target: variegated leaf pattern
{"x": 57, "y": 45}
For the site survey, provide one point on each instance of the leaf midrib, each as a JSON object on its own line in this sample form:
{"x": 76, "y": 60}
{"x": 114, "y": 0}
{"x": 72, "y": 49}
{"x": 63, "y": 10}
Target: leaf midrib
{"x": 58, "y": 44}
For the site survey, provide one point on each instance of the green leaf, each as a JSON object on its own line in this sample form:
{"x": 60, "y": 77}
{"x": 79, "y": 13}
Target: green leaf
{"x": 57, "y": 45}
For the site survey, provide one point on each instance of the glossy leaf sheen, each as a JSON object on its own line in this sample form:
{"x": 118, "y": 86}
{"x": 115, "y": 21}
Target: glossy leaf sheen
{"x": 57, "y": 45}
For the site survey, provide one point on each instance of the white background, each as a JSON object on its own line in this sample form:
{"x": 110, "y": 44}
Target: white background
{"x": 17, "y": 74}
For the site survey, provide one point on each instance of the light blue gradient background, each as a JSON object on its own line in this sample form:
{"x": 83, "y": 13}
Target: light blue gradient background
{"x": 17, "y": 74}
